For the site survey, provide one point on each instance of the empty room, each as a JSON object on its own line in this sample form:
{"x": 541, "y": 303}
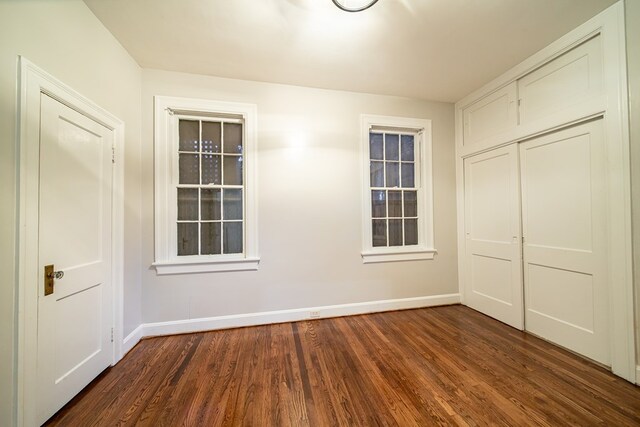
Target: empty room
{"x": 320, "y": 212}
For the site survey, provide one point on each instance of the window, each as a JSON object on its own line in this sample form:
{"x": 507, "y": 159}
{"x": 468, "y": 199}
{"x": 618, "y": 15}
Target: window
{"x": 397, "y": 193}
{"x": 205, "y": 186}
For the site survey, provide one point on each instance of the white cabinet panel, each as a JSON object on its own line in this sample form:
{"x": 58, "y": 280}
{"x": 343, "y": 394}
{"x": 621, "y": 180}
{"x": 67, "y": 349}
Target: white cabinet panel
{"x": 564, "y": 229}
{"x": 565, "y": 82}
{"x": 490, "y": 115}
{"x": 493, "y": 276}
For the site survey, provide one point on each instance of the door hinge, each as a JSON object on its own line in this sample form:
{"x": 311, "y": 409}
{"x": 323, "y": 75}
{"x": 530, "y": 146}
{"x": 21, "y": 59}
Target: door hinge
{"x": 113, "y": 154}
{"x": 111, "y": 334}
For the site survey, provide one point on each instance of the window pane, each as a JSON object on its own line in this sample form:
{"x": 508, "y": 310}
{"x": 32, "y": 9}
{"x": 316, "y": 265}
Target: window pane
{"x": 232, "y": 170}
{"x": 210, "y": 204}
{"x": 377, "y": 174}
{"x": 233, "y": 138}
{"x": 232, "y": 237}
{"x": 395, "y": 232}
{"x": 410, "y": 204}
{"x": 408, "y": 175}
{"x": 407, "y": 148}
{"x": 378, "y": 204}
{"x": 379, "y": 232}
{"x": 187, "y": 238}
{"x": 375, "y": 146}
{"x": 211, "y": 169}
{"x": 187, "y": 204}
{"x": 189, "y": 135}
{"x": 391, "y": 147}
{"x": 410, "y": 232}
{"x": 210, "y": 238}
{"x": 393, "y": 174}
{"x": 395, "y": 204}
{"x": 232, "y": 204}
{"x": 211, "y": 137}
{"x": 189, "y": 169}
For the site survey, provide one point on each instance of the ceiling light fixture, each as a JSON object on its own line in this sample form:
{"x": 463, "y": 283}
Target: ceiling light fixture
{"x": 354, "y": 5}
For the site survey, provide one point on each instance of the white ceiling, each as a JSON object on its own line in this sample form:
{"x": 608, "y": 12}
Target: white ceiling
{"x": 430, "y": 49}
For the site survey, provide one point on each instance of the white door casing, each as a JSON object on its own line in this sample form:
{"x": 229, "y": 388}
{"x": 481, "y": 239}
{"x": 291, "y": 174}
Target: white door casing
{"x": 492, "y": 235}
{"x": 75, "y": 321}
{"x": 33, "y": 83}
{"x": 565, "y": 239}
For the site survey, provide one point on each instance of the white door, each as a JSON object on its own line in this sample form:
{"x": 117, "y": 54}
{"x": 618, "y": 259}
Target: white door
{"x": 75, "y": 321}
{"x": 563, "y": 218}
{"x": 493, "y": 282}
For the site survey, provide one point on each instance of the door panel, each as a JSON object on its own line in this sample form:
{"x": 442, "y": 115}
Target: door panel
{"x": 490, "y": 116}
{"x": 564, "y": 239}
{"x": 570, "y": 79}
{"x": 74, "y": 322}
{"x": 493, "y": 282}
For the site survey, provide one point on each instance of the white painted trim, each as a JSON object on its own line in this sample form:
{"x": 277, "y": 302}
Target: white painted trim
{"x": 165, "y": 210}
{"x": 132, "y": 339}
{"x": 373, "y": 257}
{"x": 613, "y": 105}
{"x": 425, "y": 248}
{"x": 204, "y": 266}
{"x": 638, "y": 374}
{"x": 292, "y": 315}
{"x": 32, "y": 82}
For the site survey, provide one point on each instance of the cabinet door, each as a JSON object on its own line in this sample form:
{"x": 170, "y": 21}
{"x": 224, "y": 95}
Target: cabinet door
{"x": 493, "y": 270}
{"x": 490, "y": 116}
{"x": 565, "y": 82}
{"x": 563, "y": 218}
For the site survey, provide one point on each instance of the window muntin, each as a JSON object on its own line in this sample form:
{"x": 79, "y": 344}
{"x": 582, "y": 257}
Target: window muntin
{"x": 394, "y": 194}
{"x": 210, "y": 188}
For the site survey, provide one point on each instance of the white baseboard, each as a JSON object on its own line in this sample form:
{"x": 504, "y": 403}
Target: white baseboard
{"x": 279, "y": 316}
{"x": 132, "y": 339}
{"x": 638, "y": 374}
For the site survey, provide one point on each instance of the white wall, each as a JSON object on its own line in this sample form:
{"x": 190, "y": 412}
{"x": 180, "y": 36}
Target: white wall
{"x": 309, "y": 209}
{"x": 632, "y": 22}
{"x": 68, "y": 41}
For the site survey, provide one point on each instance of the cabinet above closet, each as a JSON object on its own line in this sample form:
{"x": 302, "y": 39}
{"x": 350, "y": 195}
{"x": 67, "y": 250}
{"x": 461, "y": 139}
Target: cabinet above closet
{"x": 563, "y": 88}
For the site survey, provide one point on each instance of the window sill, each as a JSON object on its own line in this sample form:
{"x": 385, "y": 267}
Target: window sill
{"x": 205, "y": 266}
{"x": 370, "y": 257}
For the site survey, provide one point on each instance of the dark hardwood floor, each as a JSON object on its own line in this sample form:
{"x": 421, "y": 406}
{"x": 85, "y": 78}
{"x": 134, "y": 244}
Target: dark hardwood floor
{"x": 444, "y": 365}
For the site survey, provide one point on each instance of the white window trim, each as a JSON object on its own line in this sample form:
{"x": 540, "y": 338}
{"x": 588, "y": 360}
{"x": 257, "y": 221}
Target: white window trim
{"x": 165, "y": 166}
{"x": 424, "y": 250}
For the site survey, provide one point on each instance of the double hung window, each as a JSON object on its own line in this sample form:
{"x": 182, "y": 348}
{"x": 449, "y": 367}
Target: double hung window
{"x": 397, "y": 214}
{"x": 205, "y": 185}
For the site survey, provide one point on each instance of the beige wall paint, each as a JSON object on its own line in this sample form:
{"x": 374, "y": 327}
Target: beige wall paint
{"x": 632, "y": 22}
{"x": 64, "y": 38}
{"x": 309, "y": 204}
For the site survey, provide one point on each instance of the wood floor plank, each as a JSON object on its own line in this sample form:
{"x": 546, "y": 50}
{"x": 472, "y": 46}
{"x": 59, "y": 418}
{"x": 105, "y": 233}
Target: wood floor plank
{"x": 435, "y": 366}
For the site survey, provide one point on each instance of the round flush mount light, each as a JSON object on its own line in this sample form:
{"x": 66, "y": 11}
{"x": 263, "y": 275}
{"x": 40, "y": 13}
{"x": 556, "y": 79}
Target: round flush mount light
{"x": 354, "y": 5}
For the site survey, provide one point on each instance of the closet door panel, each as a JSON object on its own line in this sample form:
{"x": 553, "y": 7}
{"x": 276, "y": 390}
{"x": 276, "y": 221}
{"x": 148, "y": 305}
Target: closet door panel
{"x": 563, "y": 218}
{"x": 493, "y": 275}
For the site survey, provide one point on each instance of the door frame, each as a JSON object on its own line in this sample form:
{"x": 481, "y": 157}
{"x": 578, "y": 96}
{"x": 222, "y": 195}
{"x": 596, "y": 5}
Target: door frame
{"x": 32, "y": 82}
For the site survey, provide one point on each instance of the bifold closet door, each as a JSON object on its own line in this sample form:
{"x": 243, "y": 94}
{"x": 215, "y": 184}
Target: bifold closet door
{"x": 564, "y": 229}
{"x": 493, "y": 273}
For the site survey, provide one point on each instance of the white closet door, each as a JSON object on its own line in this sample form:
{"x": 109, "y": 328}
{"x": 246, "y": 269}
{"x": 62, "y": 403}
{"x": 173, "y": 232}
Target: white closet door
{"x": 563, "y": 217}
{"x": 493, "y": 282}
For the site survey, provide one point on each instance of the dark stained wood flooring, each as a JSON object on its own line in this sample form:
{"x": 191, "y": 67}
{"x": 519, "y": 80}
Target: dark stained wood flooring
{"x": 444, "y": 365}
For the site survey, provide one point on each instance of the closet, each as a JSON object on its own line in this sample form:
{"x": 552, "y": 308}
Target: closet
{"x": 542, "y": 207}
